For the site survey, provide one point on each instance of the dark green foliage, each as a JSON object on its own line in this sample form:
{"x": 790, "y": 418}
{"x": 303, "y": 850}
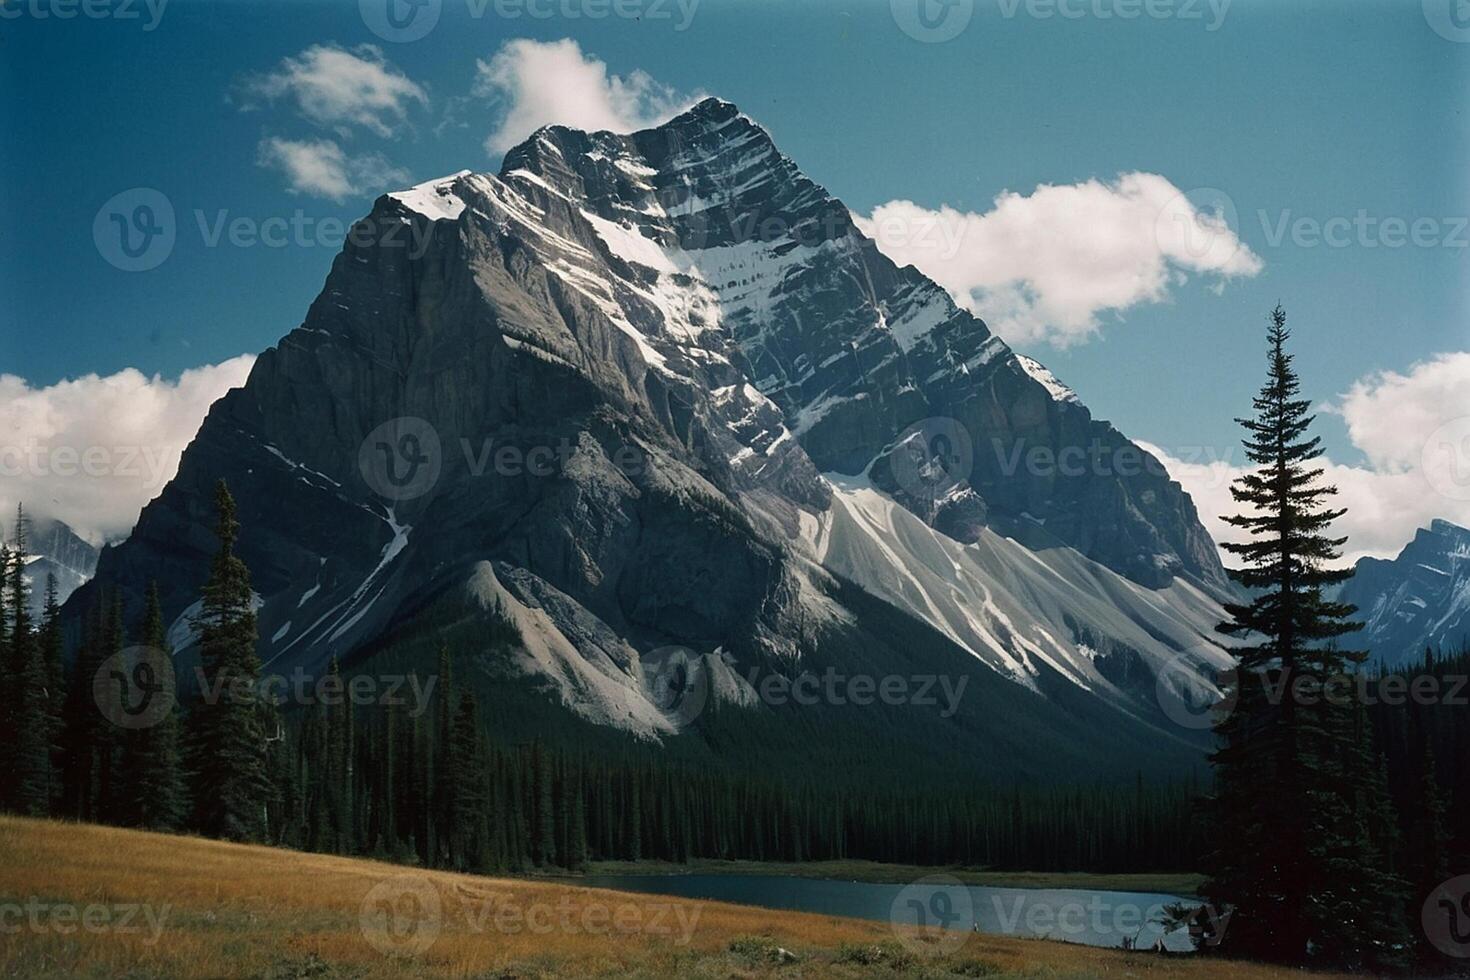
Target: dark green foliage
{"x": 229, "y": 722}
{"x": 29, "y": 712}
{"x": 1292, "y": 849}
{"x": 152, "y": 787}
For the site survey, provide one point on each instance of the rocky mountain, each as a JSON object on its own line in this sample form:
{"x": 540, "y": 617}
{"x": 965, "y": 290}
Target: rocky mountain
{"x": 1420, "y": 598}
{"x": 56, "y": 552}
{"x": 658, "y": 389}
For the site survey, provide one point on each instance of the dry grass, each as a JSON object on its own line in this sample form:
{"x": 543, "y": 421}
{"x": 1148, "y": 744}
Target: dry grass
{"x": 229, "y": 910}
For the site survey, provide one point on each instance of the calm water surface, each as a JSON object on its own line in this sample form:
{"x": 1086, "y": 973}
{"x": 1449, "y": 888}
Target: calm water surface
{"x": 1079, "y": 915}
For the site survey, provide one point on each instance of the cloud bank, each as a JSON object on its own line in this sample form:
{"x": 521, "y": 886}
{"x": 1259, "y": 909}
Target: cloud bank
{"x": 93, "y": 450}
{"x": 323, "y": 169}
{"x": 343, "y": 91}
{"x": 1414, "y": 432}
{"x": 340, "y": 89}
{"x": 541, "y": 83}
{"x": 1044, "y": 267}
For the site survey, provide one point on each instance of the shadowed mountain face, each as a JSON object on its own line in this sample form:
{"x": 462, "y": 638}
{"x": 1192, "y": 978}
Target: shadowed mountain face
{"x": 658, "y": 389}
{"x": 56, "y": 554}
{"x": 1419, "y": 599}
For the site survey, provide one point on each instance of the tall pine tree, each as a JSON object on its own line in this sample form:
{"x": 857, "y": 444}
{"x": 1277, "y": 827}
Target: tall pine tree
{"x": 151, "y": 775}
{"x": 1287, "y": 837}
{"x": 231, "y": 784}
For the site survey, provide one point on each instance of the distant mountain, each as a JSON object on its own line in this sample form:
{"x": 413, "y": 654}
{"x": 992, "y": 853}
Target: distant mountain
{"x": 56, "y": 550}
{"x": 732, "y": 424}
{"x": 1420, "y": 598}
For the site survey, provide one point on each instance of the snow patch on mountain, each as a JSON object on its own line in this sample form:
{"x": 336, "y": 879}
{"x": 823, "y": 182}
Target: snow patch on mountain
{"x": 1010, "y": 606}
{"x": 1057, "y": 390}
{"x": 434, "y": 199}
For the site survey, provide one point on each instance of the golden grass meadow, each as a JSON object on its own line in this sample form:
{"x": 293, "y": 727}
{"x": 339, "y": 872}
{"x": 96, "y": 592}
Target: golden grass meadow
{"x": 79, "y": 900}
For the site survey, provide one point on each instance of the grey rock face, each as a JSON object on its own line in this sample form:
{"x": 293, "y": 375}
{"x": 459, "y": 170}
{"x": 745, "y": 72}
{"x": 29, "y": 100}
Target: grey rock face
{"x": 1419, "y": 599}
{"x": 56, "y": 554}
{"x": 621, "y": 365}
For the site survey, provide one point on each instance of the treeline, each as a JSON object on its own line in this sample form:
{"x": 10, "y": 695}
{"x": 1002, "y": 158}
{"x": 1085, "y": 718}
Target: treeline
{"x": 433, "y": 791}
{"x": 430, "y": 787}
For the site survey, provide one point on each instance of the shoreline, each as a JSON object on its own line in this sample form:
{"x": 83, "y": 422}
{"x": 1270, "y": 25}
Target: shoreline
{"x": 1182, "y": 884}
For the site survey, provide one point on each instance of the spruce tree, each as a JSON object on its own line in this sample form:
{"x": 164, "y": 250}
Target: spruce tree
{"x": 1286, "y": 843}
{"x": 28, "y": 784}
{"x": 152, "y": 777}
{"x": 231, "y": 786}
{"x": 52, "y": 646}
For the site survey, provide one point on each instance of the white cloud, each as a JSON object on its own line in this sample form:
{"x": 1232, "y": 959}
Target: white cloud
{"x": 340, "y": 89}
{"x": 1391, "y": 418}
{"x": 324, "y": 169}
{"x": 93, "y": 450}
{"x": 544, "y": 83}
{"x": 1043, "y": 267}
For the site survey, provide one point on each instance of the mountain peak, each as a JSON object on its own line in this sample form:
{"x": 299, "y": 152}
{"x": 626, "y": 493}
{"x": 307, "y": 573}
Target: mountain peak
{"x": 1441, "y": 526}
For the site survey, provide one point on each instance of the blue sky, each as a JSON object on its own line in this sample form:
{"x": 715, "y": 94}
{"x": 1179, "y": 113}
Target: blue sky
{"x": 1297, "y": 112}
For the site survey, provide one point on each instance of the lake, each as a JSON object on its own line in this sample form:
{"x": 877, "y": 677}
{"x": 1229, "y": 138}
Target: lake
{"x": 1078, "y": 915}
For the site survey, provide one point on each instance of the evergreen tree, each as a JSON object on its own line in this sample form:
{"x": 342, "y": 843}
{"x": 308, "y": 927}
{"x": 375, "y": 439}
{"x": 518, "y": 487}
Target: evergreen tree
{"x": 51, "y": 655}
{"x": 151, "y": 770}
{"x": 228, "y": 750}
{"x": 1287, "y": 844}
{"x": 1427, "y": 855}
{"x": 28, "y": 788}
